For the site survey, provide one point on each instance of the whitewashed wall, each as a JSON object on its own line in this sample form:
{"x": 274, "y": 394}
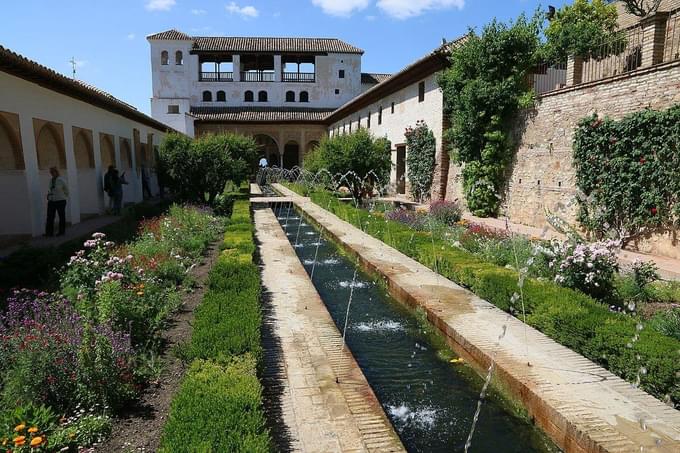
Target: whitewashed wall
{"x": 25, "y": 191}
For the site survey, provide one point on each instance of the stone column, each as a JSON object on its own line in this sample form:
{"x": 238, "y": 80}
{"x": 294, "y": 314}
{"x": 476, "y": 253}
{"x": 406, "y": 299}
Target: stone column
{"x": 73, "y": 203}
{"x": 653, "y": 38}
{"x": 99, "y": 174}
{"x": 278, "y": 69}
{"x": 574, "y": 70}
{"x": 136, "y": 175}
{"x": 37, "y": 199}
{"x": 236, "y": 59}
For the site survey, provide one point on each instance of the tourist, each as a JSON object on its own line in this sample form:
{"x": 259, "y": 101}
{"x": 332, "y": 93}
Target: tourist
{"x": 56, "y": 203}
{"x": 108, "y": 185}
{"x": 118, "y": 182}
{"x": 263, "y": 162}
{"x": 146, "y": 189}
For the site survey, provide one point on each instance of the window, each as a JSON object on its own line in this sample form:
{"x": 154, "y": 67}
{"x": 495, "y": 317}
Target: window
{"x": 304, "y": 96}
{"x": 262, "y": 96}
{"x": 380, "y": 115}
{"x": 337, "y": 91}
{"x": 290, "y": 96}
{"x": 207, "y": 96}
{"x": 249, "y": 97}
{"x": 173, "y": 109}
{"x": 221, "y": 96}
{"x": 179, "y": 58}
{"x": 421, "y": 91}
{"x": 164, "y": 57}
{"x": 392, "y": 111}
{"x": 368, "y": 120}
{"x": 341, "y": 74}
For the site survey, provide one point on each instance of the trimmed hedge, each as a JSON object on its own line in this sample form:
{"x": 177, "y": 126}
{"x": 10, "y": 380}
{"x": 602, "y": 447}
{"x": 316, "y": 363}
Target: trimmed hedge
{"x": 218, "y": 406}
{"x": 565, "y": 315}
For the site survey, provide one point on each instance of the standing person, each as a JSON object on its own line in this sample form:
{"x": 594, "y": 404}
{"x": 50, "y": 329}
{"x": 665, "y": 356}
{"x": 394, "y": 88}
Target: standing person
{"x": 146, "y": 189}
{"x": 108, "y": 185}
{"x": 56, "y": 203}
{"x": 263, "y": 162}
{"x": 118, "y": 182}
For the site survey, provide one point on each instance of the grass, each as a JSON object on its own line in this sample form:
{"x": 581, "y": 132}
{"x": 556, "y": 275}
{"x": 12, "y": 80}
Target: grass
{"x": 567, "y": 316}
{"x": 218, "y": 406}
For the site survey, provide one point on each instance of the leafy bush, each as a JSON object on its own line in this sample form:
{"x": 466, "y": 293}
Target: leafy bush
{"x": 629, "y": 173}
{"x": 200, "y": 168}
{"x": 667, "y": 323}
{"x": 420, "y": 159}
{"x": 217, "y": 408}
{"x": 484, "y": 87}
{"x": 412, "y": 219}
{"x": 365, "y": 160}
{"x": 445, "y": 212}
{"x": 568, "y": 316}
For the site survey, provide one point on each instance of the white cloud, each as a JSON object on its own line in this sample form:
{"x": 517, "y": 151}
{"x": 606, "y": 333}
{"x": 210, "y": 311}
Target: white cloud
{"x": 160, "y": 5}
{"x": 198, "y": 12}
{"x": 403, "y": 9}
{"x": 130, "y": 36}
{"x": 243, "y": 11}
{"x": 342, "y": 8}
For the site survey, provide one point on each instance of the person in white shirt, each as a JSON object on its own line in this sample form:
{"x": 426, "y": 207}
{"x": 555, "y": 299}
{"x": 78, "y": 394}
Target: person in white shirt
{"x": 56, "y": 203}
{"x": 263, "y": 162}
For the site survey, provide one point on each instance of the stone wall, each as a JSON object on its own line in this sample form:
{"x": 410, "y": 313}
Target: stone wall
{"x": 542, "y": 174}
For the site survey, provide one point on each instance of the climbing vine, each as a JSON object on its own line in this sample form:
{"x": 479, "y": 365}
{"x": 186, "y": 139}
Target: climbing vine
{"x": 629, "y": 173}
{"x": 420, "y": 160}
{"x": 484, "y": 87}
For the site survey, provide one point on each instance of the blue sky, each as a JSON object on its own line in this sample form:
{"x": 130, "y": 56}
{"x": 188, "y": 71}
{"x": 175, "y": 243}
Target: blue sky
{"x": 107, "y": 37}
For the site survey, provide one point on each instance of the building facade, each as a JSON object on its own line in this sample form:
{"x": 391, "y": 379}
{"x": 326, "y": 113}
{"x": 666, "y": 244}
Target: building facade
{"x": 48, "y": 120}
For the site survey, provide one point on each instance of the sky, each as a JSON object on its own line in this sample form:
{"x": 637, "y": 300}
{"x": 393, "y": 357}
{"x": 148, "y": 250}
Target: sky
{"x": 107, "y": 38}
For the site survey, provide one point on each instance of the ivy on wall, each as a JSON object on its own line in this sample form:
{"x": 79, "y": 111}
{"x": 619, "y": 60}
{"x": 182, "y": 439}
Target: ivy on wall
{"x": 420, "y": 160}
{"x": 629, "y": 173}
{"x": 484, "y": 88}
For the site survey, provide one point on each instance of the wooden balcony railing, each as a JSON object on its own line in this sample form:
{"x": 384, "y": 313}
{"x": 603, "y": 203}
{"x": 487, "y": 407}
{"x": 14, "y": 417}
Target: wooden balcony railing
{"x": 217, "y": 77}
{"x": 308, "y": 77}
{"x": 252, "y": 76}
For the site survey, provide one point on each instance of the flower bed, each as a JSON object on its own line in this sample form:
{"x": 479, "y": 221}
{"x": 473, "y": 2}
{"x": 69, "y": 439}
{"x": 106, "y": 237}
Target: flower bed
{"x": 570, "y": 317}
{"x": 73, "y": 358}
{"x": 218, "y": 406}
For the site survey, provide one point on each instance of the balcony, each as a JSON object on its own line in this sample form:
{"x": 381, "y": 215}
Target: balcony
{"x": 303, "y": 77}
{"x": 253, "y": 76}
{"x": 216, "y": 77}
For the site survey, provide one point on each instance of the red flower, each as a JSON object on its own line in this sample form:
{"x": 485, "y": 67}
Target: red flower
{"x": 642, "y": 160}
{"x": 653, "y": 211}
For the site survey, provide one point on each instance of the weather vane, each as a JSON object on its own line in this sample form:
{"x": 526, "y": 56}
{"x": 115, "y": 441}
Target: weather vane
{"x": 73, "y": 64}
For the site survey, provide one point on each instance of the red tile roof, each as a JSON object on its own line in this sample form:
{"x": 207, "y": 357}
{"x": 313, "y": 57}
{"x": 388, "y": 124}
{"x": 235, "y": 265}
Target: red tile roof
{"x": 367, "y": 77}
{"x": 261, "y": 114}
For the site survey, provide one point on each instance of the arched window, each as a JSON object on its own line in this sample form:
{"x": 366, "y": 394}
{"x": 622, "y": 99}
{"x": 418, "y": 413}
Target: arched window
{"x": 249, "y": 96}
{"x": 221, "y": 96}
{"x": 290, "y": 96}
{"x": 262, "y": 96}
{"x": 179, "y": 58}
{"x": 164, "y": 57}
{"x": 207, "y": 96}
{"x": 304, "y": 96}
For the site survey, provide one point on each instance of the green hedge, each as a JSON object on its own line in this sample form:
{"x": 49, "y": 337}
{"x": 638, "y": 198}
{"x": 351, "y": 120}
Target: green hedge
{"x": 567, "y": 316}
{"x": 218, "y": 406}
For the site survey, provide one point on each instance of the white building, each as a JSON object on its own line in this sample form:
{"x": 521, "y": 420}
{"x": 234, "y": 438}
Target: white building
{"x": 47, "y": 119}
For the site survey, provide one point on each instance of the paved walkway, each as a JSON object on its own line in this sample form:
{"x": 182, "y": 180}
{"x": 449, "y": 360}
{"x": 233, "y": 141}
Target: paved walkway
{"x": 76, "y": 231}
{"x": 325, "y": 400}
{"x": 582, "y": 406}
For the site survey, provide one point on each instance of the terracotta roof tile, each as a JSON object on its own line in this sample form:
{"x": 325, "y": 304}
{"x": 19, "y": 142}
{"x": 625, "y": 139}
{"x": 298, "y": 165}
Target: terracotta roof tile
{"x": 171, "y": 34}
{"x": 367, "y": 77}
{"x": 252, "y": 44}
{"x": 261, "y": 114}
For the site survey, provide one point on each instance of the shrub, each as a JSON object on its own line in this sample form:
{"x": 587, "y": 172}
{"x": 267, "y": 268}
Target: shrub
{"x": 446, "y": 212}
{"x": 412, "y": 219}
{"x": 365, "y": 161}
{"x": 420, "y": 159}
{"x": 667, "y": 323}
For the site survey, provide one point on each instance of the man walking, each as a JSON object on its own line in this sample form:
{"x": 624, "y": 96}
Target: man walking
{"x": 56, "y": 203}
{"x": 108, "y": 185}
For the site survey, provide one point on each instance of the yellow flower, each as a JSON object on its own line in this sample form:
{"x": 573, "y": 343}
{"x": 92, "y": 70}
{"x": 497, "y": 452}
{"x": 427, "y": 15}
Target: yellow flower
{"x": 71, "y": 435}
{"x": 140, "y": 293}
{"x": 20, "y": 427}
{"x": 33, "y": 429}
{"x": 37, "y": 441}
{"x": 19, "y": 441}
{"x": 4, "y": 441}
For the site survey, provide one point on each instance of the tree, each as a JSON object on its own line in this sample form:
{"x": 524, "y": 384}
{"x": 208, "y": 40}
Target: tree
{"x": 642, "y": 8}
{"x": 422, "y": 150}
{"x": 484, "y": 87}
{"x": 579, "y": 29}
{"x": 363, "y": 159}
{"x": 197, "y": 170}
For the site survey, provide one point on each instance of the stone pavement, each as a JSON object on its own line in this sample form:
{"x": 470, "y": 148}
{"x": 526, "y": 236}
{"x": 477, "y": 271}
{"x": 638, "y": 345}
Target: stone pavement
{"x": 580, "y": 405}
{"x": 325, "y": 402}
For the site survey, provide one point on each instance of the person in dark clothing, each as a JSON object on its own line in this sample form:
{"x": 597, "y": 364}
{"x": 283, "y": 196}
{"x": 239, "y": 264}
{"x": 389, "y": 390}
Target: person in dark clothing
{"x": 108, "y": 184}
{"x": 117, "y": 190}
{"x": 56, "y": 203}
{"x": 146, "y": 188}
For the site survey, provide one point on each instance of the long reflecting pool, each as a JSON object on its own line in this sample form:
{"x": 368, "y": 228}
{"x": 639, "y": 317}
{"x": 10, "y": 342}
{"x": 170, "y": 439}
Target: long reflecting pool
{"x": 429, "y": 396}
